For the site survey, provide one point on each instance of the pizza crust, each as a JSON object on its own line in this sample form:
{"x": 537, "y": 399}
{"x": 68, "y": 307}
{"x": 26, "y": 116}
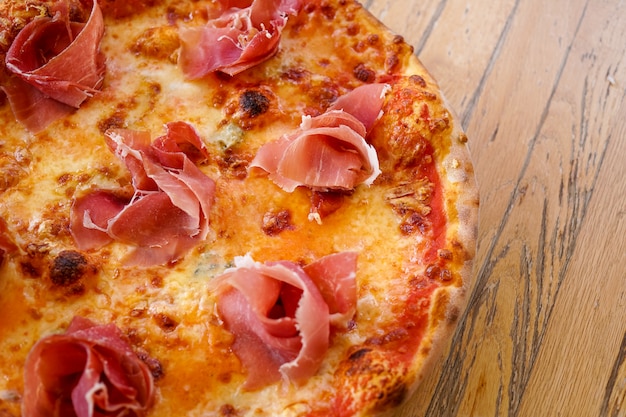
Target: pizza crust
{"x": 457, "y": 170}
{"x": 167, "y": 312}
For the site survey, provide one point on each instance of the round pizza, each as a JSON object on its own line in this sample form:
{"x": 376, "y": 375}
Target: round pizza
{"x": 223, "y": 208}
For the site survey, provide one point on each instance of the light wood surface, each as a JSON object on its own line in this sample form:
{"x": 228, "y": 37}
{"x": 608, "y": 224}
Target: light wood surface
{"x": 540, "y": 89}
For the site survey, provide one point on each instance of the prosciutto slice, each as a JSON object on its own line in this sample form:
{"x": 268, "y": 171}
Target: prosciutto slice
{"x": 90, "y": 370}
{"x": 330, "y": 151}
{"x": 281, "y": 313}
{"x": 245, "y": 34}
{"x": 335, "y": 277}
{"x": 168, "y": 212}
{"x": 55, "y": 66}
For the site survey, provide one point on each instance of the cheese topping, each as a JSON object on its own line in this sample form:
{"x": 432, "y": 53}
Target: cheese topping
{"x": 169, "y": 311}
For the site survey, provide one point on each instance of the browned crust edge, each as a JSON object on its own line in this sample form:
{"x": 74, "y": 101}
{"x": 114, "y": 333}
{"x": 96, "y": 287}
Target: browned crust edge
{"x": 461, "y": 196}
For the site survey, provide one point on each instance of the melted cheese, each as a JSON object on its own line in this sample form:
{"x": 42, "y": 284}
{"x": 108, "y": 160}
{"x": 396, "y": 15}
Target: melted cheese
{"x": 168, "y": 311}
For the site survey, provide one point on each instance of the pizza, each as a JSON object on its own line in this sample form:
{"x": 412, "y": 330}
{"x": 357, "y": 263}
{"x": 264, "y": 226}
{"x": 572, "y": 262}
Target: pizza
{"x": 223, "y": 208}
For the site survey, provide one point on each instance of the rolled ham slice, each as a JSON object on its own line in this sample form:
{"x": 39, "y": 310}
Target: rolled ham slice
{"x": 55, "y": 65}
{"x": 245, "y": 34}
{"x": 281, "y": 313}
{"x": 168, "y": 212}
{"x": 329, "y": 151}
{"x": 90, "y": 370}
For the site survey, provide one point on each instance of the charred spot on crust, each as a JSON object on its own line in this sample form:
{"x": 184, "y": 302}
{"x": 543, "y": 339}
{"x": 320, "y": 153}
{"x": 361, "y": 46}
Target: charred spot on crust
{"x": 453, "y": 314}
{"x": 156, "y": 369}
{"x": 375, "y": 373}
{"x": 353, "y": 29}
{"x": 419, "y": 80}
{"x": 69, "y": 267}
{"x": 437, "y": 272}
{"x": 276, "y": 222}
{"x": 11, "y": 171}
{"x": 445, "y": 254}
{"x": 155, "y": 366}
{"x": 228, "y": 410}
{"x": 326, "y": 94}
{"x": 411, "y": 202}
{"x": 393, "y": 336}
{"x": 254, "y": 103}
{"x": 360, "y": 363}
{"x": 33, "y": 263}
{"x": 165, "y": 322}
{"x": 413, "y": 222}
{"x": 328, "y": 10}
{"x": 358, "y": 354}
{"x": 363, "y": 73}
{"x": 225, "y": 377}
{"x": 116, "y": 121}
{"x": 296, "y": 74}
{"x": 435, "y": 124}
{"x": 392, "y": 396}
{"x": 156, "y": 281}
{"x": 327, "y": 202}
{"x": 30, "y": 269}
{"x": 234, "y": 164}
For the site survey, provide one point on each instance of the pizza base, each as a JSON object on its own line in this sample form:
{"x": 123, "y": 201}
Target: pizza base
{"x": 166, "y": 312}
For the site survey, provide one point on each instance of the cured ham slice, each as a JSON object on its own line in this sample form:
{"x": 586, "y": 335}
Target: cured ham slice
{"x": 245, "y": 34}
{"x": 335, "y": 277}
{"x": 364, "y": 103}
{"x": 281, "y": 313}
{"x": 168, "y": 212}
{"x": 90, "y": 370}
{"x": 55, "y": 66}
{"x": 330, "y": 151}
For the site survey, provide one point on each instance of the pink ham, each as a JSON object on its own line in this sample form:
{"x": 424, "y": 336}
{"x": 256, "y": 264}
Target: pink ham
{"x": 335, "y": 277}
{"x": 90, "y": 215}
{"x": 90, "y": 370}
{"x": 330, "y": 151}
{"x": 55, "y": 65}
{"x": 280, "y": 314}
{"x": 364, "y": 103}
{"x": 168, "y": 213}
{"x": 245, "y": 34}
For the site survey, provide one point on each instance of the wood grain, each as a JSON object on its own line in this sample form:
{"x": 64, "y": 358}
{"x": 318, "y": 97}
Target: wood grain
{"x": 540, "y": 90}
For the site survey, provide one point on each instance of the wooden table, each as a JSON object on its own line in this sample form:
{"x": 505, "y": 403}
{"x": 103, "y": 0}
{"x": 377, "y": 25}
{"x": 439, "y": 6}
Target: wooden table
{"x": 539, "y": 87}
